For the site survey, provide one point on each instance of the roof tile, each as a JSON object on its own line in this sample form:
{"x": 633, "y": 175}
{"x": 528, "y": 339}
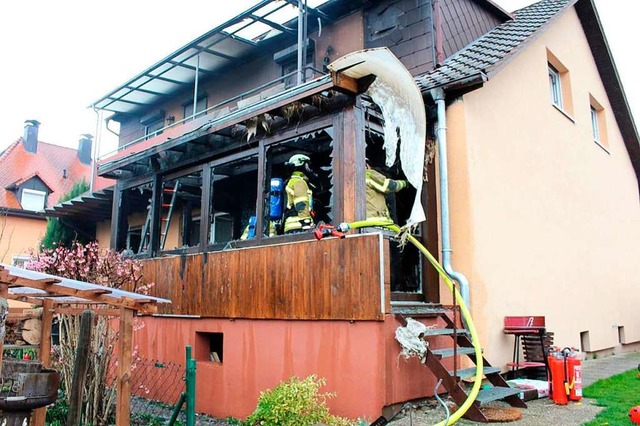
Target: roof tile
{"x": 47, "y": 163}
{"x": 487, "y": 51}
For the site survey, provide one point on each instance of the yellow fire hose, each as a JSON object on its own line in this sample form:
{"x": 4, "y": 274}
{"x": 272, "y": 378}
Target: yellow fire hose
{"x": 463, "y": 308}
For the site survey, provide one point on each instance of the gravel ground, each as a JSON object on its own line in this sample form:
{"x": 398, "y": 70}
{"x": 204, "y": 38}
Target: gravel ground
{"x": 541, "y": 411}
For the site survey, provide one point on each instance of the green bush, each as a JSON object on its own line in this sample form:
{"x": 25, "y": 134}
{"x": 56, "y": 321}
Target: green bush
{"x": 295, "y": 403}
{"x": 59, "y": 233}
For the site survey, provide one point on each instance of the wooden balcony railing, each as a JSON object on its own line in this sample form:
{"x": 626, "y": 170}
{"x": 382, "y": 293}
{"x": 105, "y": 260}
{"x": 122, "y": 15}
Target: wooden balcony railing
{"x": 337, "y": 279}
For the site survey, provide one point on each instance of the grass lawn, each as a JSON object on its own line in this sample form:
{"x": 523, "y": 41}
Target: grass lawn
{"x": 618, "y": 394}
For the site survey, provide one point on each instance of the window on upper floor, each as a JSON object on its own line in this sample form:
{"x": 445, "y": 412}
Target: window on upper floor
{"x": 556, "y": 86}
{"x": 153, "y": 123}
{"x": 559, "y": 85}
{"x": 598, "y": 122}
{"x": 33, "y": 200}
{"x": 201, "y": 105}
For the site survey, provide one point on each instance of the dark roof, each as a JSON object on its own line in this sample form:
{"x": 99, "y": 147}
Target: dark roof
{"x": 91, "y": 206}
{"x": 491, "y": 52}
{"x": 486, "y": 55}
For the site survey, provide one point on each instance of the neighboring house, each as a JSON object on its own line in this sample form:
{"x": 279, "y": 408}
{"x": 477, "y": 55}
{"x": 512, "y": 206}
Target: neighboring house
{"x": 33, "y": 176}
{"x": 543, "y": 166}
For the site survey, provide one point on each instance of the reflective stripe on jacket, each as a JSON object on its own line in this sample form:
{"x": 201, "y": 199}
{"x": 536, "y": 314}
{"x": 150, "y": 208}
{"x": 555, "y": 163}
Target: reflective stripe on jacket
{"x": 378, "y": 185}
{"x": 299, "y": 202}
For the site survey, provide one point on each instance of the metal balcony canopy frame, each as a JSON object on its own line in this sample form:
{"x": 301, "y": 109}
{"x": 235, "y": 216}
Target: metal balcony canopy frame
{"x": 229, "y": 44}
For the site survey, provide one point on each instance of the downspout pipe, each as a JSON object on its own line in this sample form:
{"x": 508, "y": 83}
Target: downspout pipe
{"x": 438, "y": 96}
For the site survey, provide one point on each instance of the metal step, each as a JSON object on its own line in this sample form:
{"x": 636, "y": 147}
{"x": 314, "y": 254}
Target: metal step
{"x": 443, "y": 331}
{"x": 470, "y": 372}
{"x": 418, "y": 310}
{"x": 495, "y": 394}
{"x": 445, "y": 353}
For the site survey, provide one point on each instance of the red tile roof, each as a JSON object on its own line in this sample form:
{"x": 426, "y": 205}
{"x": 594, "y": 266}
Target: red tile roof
{"x": 48, "y": 163}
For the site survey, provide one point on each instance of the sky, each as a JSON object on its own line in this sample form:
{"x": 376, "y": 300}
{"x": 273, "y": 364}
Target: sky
{"x": 59, "y": 57}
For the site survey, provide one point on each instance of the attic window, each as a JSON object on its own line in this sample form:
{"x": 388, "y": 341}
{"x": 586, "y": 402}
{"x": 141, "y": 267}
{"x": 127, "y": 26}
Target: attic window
{"x": 560, "y": 85}
{"x": 32, "y": 200}
{"x": 598, "y": 123}
{"x": 556, "y": 86}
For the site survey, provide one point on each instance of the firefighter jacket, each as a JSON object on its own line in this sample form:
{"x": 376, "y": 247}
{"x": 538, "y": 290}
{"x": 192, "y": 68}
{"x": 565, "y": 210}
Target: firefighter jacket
{"x": 378, "y": 185}
{"x": 299, "y": 204}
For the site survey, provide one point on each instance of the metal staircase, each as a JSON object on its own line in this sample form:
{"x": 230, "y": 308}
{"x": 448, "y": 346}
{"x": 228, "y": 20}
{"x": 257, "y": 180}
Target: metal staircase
{"x": 461, "y": 346}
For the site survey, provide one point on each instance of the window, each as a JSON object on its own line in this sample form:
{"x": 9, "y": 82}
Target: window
{"x": 595, "y": 128}
{"x": 318, "y": 146}
{"x": 133, "y": 229}
{"x": 153, "y": 122}
{"x": 556, "y": 86}
{"x": 134, "y": 237}
{"x": 560, "y": 85}
{"x": 201, "y": 105}
{"x": 32, "y": 200}
{"x": 151, "y": 128}
{"x": 234, "y": 191}
{"x": 598, "y": 122}
{"x": 180, "y": 203}
{"x": 20, "y": 260}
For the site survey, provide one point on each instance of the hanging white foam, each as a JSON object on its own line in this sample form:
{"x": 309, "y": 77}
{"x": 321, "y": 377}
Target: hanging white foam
{"x": 396, "y": 93}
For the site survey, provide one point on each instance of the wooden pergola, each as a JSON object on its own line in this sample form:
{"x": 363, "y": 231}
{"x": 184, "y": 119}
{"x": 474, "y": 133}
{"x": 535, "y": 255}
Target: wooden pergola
{"x": 59, "y": 295}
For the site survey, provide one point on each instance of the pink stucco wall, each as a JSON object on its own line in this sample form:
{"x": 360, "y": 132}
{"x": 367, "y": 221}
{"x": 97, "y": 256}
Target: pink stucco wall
{"x": 358, "y": 359}
{"x": 544, "y": 220}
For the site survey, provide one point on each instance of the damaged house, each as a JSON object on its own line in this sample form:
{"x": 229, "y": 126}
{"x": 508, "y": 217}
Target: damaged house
{"x": 529, "y": 186}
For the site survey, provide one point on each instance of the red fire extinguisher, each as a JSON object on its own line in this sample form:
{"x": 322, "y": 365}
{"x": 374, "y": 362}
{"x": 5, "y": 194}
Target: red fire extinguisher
{"x": 557, "y": 377}
{"x": 574, "y": 373}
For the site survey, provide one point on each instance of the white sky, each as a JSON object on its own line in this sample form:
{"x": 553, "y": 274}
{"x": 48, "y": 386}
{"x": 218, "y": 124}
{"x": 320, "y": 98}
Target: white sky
{"x": 58, "y": 57}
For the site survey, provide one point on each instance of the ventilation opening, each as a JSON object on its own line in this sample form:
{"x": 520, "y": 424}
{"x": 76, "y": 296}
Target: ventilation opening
{"x": 585, "y": 345}
{"x": 621, "y": 338}
{"x": 209, "y": 347}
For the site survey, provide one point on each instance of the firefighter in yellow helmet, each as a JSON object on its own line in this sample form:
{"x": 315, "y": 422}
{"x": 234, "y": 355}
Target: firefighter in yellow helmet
{"x": 299, "y": 206}
{"x": 378, "y": 186}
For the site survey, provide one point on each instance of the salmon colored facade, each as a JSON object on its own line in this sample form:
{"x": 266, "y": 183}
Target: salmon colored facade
{"x": 259, "y": 354}
{"x": 20, "y": 236}
{"x": 545, "y": 221}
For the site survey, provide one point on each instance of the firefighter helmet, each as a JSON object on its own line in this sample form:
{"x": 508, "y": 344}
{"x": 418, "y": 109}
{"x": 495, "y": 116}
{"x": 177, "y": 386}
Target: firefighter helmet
{"x": 298, "y": 160}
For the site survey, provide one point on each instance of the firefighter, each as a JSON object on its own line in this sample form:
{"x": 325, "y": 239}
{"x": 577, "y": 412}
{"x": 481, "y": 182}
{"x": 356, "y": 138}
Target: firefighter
{"x": 378, "y": 186}
{"x": 299, "y": 207}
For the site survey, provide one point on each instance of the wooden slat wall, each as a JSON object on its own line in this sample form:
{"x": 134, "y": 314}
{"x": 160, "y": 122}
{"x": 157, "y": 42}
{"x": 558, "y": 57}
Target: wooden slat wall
{"x": 330, "y": 279}
{"x": 463, "y": 22}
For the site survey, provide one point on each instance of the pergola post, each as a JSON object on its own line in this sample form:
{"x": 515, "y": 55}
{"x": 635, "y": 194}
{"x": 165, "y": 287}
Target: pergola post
{"x": 40, "y": 415}
{"x": 125, "y": 347}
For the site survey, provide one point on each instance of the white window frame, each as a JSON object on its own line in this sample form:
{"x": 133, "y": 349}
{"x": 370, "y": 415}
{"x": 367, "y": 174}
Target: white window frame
{"x": 32, "y": 192}
{"x": 555, "y": 85}
{"x": 20, "y": 260}
{"x": 595, "y": 126}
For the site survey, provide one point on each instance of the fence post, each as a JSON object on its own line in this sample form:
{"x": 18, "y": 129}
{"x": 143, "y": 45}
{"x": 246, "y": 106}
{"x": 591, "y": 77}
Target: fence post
{"x": 191, "y": 388}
